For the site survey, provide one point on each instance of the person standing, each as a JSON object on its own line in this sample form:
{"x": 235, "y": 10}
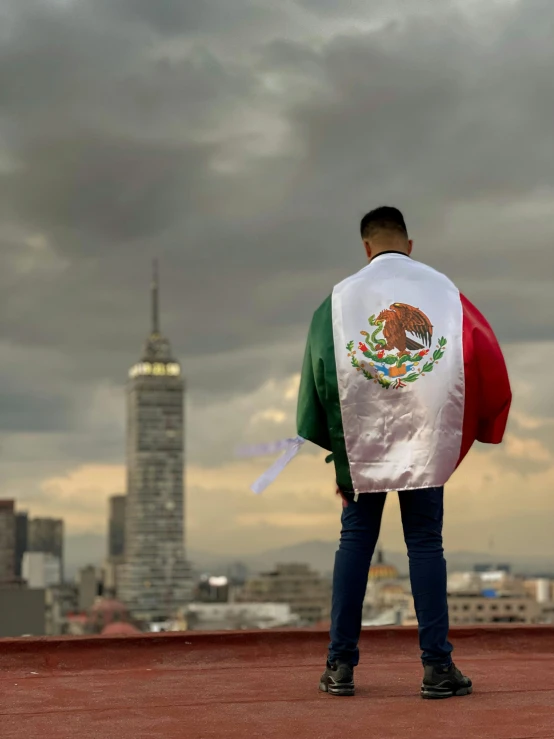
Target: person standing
{"x": 401, "y": 375}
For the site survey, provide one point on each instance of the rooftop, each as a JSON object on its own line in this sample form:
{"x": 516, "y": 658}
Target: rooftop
{"x": 235, "y": 685}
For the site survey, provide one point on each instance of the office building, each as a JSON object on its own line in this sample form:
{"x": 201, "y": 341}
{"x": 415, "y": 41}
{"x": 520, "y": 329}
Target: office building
{"x": 237, "y": 573}
{"x": 46, "y": 535}
{"x": 155, "y": 579}
{"x": 23, "y": 611}
{"x": 7, "y": 541}
{"x": 41, "y": 570}
{"x": 465, "y": 608}
{"x": 540, "y": 589}
{"x": 116, "y": 529}
{"x": 21, "y": 539}
{"x": 61, "y": 603}
{"x": 116, "y": 544}
{"x": 237, "y": 616}
{"x": 307, "y": 593}
{"x": 212, "y": 589}
{"x": 88, "y": 587}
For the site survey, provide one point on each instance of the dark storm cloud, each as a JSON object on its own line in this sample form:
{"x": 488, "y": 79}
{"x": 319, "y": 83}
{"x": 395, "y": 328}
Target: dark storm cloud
{"x": 128, "y": 130}
{"x": 169, "y": 16}
{"x": 333, "y": 8}
{"x": 110, "y": 189}
{"x": 23, "y": 412}
{"x": 174, "y": 17}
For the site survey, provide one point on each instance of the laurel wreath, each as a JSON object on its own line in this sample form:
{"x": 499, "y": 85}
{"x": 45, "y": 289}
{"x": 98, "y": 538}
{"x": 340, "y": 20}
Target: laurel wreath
{"x": 373, "y": 344}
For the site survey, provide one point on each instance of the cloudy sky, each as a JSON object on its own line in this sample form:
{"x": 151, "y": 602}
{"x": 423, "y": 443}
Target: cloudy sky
{"x": 240, "y": 141}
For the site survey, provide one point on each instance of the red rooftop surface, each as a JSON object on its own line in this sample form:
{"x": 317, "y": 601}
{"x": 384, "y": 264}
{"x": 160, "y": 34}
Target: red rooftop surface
{"x": 237, "y": 685}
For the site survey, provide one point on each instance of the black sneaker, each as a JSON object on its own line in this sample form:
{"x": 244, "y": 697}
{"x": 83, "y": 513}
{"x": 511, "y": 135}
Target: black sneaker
{"x": 338, "y": 679}
{"x": 444, "y": 682}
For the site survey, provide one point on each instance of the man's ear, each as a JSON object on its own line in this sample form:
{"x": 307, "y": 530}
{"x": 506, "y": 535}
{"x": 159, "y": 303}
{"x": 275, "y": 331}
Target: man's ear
{"x": 367, "y": 248}
{"x": 410, "y": 245}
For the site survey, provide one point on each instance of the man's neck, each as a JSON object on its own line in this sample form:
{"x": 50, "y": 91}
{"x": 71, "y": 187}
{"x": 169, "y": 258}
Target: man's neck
{"x": 389, "y": 251}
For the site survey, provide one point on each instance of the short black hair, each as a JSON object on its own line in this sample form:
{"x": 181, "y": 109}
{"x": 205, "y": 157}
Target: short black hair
{"x": 384, "y": 218}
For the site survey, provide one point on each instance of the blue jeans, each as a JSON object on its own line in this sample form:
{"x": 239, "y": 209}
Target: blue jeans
{"x": 422, "y": 517}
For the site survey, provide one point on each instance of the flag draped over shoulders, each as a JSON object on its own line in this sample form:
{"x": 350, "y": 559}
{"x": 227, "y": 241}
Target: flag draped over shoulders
{"x": 319, "y": 417}
{"x": 401, "y": 375}
{"x": 488, "y": 394}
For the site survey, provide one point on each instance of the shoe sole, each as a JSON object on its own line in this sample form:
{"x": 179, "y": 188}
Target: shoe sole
{"x": 344, "y": 689}
{"x": 430, "y": 694}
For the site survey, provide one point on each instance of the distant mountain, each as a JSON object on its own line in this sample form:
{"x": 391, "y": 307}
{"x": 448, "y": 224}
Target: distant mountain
{"x": 319, "y": 555}
{"x": 211, "y": 563}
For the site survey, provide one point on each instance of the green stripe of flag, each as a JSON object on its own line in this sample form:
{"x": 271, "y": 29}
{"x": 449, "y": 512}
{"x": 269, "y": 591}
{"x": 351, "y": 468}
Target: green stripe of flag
{"x": 319, "y": 418}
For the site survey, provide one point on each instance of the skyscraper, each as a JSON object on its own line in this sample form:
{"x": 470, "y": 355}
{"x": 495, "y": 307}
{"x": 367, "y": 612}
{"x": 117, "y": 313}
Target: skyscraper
{"x": 21, "y": 539}
{"x": 46, "y": 535}
{"x": 155, "y": 579}
{"x": 7, "y": 541}
{"x": 116, "y": 529}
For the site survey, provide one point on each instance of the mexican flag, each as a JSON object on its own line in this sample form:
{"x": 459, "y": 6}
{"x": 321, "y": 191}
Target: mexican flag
{"x": 401, "y": 375}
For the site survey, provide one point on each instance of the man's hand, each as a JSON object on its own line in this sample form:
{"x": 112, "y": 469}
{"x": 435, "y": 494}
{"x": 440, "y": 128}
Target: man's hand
{"x": 344, "y": 501}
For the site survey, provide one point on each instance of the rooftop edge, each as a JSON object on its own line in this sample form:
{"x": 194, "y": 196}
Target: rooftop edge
{"x": 80, "y": 653}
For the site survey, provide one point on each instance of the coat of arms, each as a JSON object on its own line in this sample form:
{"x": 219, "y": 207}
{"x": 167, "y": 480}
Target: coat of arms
{"x": 393, "y": 357}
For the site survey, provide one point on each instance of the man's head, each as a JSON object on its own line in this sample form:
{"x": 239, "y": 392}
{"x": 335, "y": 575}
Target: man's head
{"x": 384, "y": 229}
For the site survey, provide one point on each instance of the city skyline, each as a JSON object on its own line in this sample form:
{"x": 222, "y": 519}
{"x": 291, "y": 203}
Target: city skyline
{"x": 247, "y": 174}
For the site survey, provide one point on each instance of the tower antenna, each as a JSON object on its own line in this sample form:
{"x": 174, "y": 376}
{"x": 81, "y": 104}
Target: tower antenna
{"x": 155, "y": 298}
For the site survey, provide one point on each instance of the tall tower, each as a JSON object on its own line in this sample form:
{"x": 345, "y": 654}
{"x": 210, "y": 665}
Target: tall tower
{"x": 155, "y": 579}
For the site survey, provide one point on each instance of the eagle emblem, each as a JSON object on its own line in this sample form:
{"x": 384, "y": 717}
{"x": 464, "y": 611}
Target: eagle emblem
{"x": 396, "y": 350}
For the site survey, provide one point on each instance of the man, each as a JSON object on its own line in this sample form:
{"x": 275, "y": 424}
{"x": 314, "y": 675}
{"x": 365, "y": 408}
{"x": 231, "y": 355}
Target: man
{"x": 401, "y": 375}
